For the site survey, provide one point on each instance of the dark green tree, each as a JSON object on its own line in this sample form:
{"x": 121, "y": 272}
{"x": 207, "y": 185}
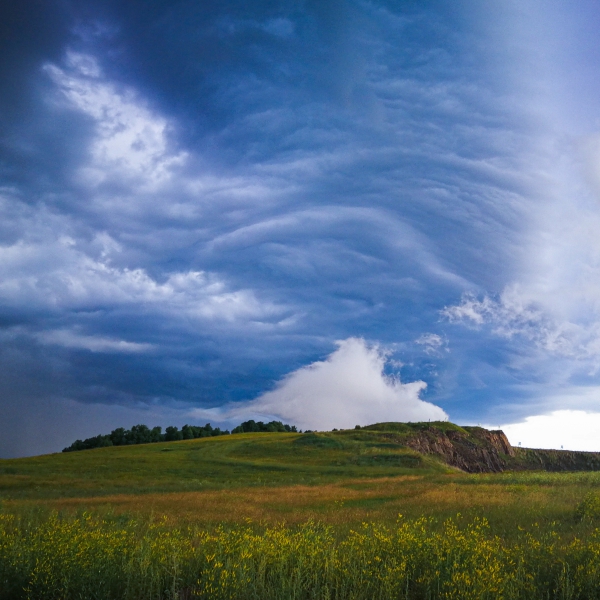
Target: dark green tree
{"x": 187, "y": 432}
{"x": 117, "y": 436}
{"x": 172, "y": 434}
{"x": 140, "y": 434}
{"x": 156, "y": 434}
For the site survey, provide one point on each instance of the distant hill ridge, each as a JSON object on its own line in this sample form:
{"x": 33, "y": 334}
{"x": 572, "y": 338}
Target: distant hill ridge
{"x": 470, "y": 449}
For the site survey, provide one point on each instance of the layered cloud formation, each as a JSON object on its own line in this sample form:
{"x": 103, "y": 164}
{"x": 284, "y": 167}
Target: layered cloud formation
{"x": 198, "y": 200}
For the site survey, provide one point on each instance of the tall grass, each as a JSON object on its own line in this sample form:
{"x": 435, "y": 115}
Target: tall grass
{"x": 86, "y": 556}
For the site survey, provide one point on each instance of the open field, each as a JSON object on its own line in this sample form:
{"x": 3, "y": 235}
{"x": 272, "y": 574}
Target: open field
{"x": 338, "y": 478}
{"x": 250, "y": 515}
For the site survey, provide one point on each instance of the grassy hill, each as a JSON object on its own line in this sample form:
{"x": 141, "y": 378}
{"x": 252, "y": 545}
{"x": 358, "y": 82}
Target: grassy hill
{"x": 344, "y": 476}
{"x": 241, "y": 460}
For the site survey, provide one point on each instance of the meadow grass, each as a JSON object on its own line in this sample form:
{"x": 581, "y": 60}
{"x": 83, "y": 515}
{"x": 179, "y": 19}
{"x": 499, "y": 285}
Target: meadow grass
{"x": 208, "y": 463}
{"x": 50, "y": 557}
{"x": 339, "y": 479}
{"x": 291, "y": 516}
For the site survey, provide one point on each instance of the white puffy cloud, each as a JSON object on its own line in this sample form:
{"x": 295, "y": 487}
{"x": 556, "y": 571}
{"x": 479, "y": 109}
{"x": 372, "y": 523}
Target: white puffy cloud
{"x": 348, "y": 388}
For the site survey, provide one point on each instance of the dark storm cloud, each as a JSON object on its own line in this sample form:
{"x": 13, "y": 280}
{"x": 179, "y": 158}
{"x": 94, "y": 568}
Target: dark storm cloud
{"x": 198, "y": 198}
{"x": 30, "y": 32}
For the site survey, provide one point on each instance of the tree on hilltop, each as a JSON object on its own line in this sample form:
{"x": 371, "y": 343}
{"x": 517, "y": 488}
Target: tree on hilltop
{"x": 142, "y": 434}
{"x": 252, "y": 426}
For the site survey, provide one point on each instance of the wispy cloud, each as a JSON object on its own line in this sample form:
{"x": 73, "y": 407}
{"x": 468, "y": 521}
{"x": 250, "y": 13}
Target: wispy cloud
{"x": 432, "y": 343}
{"x": 514, "y": 315}
{"x": 59, "y": 276}
{"x": 73, "y": 339}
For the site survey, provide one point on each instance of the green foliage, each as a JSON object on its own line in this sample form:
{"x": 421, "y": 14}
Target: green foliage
{"x": 252, "y": 426}
{"x": 99, "y": 441}
{"x": 589, "y": 508}
{"x": 172, "y": 434}
{"x": 141, "y": 434}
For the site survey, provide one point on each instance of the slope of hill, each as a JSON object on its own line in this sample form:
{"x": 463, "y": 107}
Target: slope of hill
{"x": 341, "y": 476}
{"x": 379, "y": 450}
{"x": 233, "y": 461}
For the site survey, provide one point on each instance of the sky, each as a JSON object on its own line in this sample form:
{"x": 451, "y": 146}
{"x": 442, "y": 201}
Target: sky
{"x": 328, "y": 213}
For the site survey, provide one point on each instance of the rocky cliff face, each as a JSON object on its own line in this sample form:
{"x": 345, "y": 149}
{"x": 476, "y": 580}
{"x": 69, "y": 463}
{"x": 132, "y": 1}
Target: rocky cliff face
{"x": 478, "y": 451}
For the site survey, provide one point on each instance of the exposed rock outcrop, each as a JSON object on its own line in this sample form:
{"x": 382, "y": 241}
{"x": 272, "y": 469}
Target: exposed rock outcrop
{"x": 478, "y": 451}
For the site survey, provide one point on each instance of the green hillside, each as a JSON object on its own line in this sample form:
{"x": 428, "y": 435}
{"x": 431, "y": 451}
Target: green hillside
{"x": 341, "y": 476}
{"x": 241, "y": 460}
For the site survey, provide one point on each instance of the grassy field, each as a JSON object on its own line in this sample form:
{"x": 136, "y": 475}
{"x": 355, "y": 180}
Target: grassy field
{"x": 341, "y": 478}
{"x": 339, "y": 493}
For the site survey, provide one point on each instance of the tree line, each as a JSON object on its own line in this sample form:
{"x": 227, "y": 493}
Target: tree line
{"x": 142, "y": 434}
{"x": 252, "y": 426}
